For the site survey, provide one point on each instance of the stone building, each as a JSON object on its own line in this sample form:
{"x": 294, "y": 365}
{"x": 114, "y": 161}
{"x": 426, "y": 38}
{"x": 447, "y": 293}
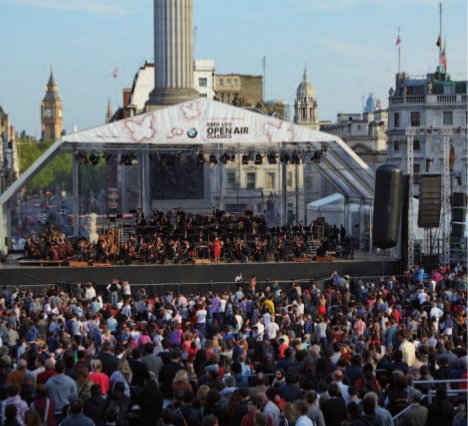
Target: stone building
{"x": 434, "y": 101}
{"x": 51, "y": 111}
{"x": 9, "y": 164}
{"x": 239, "y": 89}
{"x": 365, "y": 134}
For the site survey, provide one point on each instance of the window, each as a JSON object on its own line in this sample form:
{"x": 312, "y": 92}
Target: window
{"x": 251, "y": 178}
{"x": 203, "y": 82}
{"x": 228, "y": 81}
{"x": 236, "y": 82}
{"x": 416, "y": 172}
{"x": 231, "y": 180}
{"x": 416, "y": 145}
{"x": 270, "y": 181}
{"x": 221, "y": 82}
{"x": 289, "y": 180}
{"x": 396, "y": 145}
{"x": 203, "y": 95}
{"x": 396, "y": 119}
{"x": 415, "y": 118}
{"x": 448, "y": 118}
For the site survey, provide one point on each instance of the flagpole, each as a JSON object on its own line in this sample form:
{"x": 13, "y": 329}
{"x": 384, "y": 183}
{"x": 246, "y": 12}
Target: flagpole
{"x": 399, "y": 52}
{"x": 440, "y": 34}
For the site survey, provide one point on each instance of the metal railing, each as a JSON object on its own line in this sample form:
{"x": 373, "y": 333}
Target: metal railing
{"x": 432, "y": 392}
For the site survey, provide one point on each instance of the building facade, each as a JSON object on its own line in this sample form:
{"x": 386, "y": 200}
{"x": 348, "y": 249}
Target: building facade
{"x": 365, "y": 134}
{"x": 9, "y": 164}
{"x": 239, "y": 89}
{"x": 51, "y": 111}
{"x": 430, "y": 104}
{"x": 203, "y": 78}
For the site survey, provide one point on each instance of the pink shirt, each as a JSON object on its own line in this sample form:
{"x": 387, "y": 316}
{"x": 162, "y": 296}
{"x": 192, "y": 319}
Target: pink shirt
{"x": 360, "y": 327}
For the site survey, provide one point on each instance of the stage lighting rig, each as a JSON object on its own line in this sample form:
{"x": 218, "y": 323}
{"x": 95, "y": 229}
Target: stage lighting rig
{"x": 258, "y": 159}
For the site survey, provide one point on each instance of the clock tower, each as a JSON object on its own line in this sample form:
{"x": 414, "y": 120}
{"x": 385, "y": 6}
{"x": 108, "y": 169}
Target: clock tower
{"x": 51, "y": 111}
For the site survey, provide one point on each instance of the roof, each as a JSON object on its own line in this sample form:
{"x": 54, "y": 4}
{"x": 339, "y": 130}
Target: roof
{"x": 206, "y": 123}
{"x": 333, "y": 202}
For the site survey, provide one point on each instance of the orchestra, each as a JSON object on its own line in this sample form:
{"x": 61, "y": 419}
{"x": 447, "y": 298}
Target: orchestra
{"x": 182, "y": 237}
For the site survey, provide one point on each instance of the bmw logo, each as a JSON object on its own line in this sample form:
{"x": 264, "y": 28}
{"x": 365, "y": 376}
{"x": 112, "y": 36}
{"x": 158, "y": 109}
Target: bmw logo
{"x": 192, "y": 133}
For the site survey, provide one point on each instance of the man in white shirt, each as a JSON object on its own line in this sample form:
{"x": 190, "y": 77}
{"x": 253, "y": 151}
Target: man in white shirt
{"x": 408, "y": 350}
{"x": 272, "y": 329}
{"x": 201, "y": 319}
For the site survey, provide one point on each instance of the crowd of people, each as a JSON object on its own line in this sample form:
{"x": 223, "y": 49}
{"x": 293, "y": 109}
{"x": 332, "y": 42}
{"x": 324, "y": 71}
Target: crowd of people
{"x": 354, "y": 353}
{"x": 180, "y": 237}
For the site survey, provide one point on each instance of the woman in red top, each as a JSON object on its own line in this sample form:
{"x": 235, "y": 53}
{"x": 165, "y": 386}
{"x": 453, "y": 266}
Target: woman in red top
{"x": 217, "y": 245}
{"x": 99, "y": 378}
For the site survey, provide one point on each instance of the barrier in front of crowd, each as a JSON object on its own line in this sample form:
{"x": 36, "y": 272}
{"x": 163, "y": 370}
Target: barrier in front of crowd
{"x": 194, "y": 287}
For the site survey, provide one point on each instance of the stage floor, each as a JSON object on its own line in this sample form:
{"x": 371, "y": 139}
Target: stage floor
{"x": 363, "y": 265}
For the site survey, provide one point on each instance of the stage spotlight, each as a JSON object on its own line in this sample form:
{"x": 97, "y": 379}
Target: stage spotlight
{"x": 225, "y": 158}
{"x": 317, "y": 156}
{"x": 284, "y": 158}
{"x": 258, "y": 159}
{"x": 94, "y": 159}
{"x": 108, "y": 157}
{"x": 133, "y": 159}
{"x": 213, "y": 160}
{"x": 325, "y": 147}
{"x": 295, "y": 158}
{"x": 271, "y": 156}
{"x": 245, "y": 159}
{"x": 232, "y": 157}
{"x": 82, "y": 159}
{"x": 200, "y": 158}
{"x": 181, "y": 158}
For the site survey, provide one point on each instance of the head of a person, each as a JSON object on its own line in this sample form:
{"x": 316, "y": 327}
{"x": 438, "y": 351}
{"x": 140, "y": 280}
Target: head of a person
{"x": 368, "y": 405}
{"x": 414, "y": 396}
{"x": 333, "y": 390}
{"x": 210, "y": 420}
{"x": 96, "y": 390}
{"x": 13, "y": 389}
{"x": 302, "y": 407}
{"x": 76, "y": 406}
{"x": 96, "y": 365}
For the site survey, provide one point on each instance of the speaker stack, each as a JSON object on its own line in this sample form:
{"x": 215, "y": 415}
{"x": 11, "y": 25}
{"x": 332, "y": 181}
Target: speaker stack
{"x": 429, "y": 201}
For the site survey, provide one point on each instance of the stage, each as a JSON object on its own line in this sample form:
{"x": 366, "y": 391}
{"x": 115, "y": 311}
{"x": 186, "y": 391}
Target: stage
{"x": 364, "y": 265}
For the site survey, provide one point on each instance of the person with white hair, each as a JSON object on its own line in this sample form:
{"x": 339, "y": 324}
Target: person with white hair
{"x": 416, "y": 415}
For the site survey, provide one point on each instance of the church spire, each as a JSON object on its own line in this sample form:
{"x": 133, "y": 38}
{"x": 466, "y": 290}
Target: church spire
{"x": 51, "y": 82}
{"x": 305, "y": 77}
{"x": 109, "y": 113}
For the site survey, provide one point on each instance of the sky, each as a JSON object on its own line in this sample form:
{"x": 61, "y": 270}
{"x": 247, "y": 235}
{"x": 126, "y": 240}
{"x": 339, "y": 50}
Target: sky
{"x": 347, "y": 46}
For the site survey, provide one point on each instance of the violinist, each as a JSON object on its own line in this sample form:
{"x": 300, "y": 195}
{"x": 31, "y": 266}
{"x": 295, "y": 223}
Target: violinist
{"x": 32, "y": 247}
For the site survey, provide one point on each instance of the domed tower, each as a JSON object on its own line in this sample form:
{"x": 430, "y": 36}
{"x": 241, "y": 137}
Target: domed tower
{"x": 305, "y": 105}
{"x": 51, "y": 112}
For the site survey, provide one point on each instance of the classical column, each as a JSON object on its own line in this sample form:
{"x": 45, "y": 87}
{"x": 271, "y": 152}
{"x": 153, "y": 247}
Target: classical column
{"x": 173, "y": 53}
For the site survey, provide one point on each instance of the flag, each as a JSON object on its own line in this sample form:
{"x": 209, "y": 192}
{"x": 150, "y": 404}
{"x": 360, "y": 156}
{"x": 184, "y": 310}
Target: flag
{"x": 398, "y": 40}
{"x": 439, "y": 41}
{"x": 115, "y": 72}
{"x": 443, "y": 58}
{"x": 452, "y": 157}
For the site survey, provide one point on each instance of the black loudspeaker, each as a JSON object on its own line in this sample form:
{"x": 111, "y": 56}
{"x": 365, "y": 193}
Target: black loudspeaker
{"x": 458, "y": 214}
{"x": 429, "y": 201}
{"x": 387, "y": 206}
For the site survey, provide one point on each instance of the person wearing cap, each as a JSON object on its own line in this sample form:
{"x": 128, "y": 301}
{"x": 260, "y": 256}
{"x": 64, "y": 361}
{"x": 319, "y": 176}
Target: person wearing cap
{"x": 417, "y": 414}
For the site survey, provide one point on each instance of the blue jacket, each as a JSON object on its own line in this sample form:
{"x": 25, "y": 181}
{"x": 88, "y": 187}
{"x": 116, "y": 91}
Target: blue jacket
{"x": 62, "y": 390}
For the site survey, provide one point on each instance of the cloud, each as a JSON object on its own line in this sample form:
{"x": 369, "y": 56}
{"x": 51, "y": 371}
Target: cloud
{"x": 87, "y": 6}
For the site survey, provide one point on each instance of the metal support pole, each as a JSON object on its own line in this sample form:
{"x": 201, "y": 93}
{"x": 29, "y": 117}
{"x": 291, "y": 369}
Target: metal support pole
{"x": 410, "y": 132}
{"x": 76, "y": 195}
{"x": 446, "y": 210}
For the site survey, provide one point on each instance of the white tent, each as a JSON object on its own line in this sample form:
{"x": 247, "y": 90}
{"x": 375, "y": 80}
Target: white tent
{"x": 206, "y": 124}
{"x": 332, "y": 208}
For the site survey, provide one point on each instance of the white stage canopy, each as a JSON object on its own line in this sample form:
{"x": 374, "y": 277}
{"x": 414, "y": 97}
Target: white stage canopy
{"x": 209, "y": 125}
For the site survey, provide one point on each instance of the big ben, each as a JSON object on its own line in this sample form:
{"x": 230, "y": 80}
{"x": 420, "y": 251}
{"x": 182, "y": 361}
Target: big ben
{"x": 51, "y": 111}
